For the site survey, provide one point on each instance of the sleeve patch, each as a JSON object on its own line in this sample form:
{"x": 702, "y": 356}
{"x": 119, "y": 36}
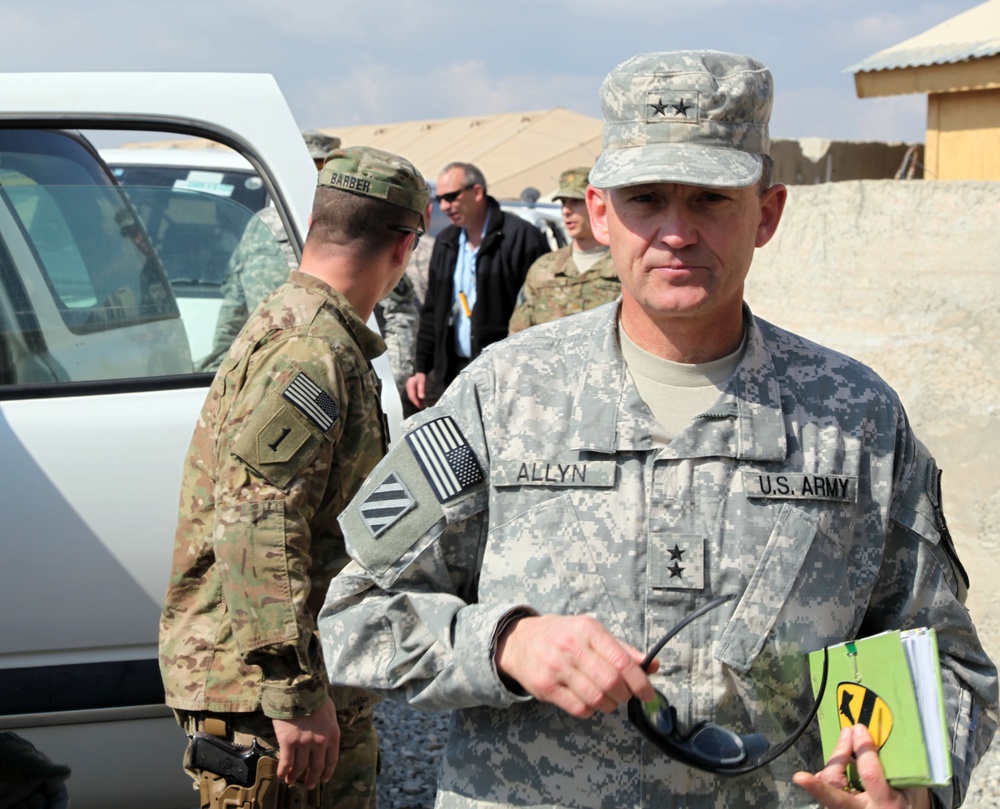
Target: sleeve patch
{"x": 314, "y": 402}
{"x": 387, "y": 502}
{"x": 445, "y": 458}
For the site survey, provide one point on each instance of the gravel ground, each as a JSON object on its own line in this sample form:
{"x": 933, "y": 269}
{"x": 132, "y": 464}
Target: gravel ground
{"x": 412, "y": 742}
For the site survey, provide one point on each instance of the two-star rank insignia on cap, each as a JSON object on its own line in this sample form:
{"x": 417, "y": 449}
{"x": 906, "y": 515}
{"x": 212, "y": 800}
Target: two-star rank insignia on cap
{"x": 314, "y": 402}
{"x": 672, "y": 107}
{"x": 445, "y": 458}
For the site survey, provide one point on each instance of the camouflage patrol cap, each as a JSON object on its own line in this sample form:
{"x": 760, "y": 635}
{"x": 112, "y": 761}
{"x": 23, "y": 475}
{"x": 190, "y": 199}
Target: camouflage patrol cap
{"x": 693, "y": 117}
{"x": 374, "y": 173}
{"x": 573, "y": 184}
{"x": 319, "y": 144}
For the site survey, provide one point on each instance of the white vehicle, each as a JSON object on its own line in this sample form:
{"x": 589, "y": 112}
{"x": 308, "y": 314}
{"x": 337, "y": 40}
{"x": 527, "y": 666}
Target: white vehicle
{"x": 97, "y": 405}
{"x": 193, "y": 234}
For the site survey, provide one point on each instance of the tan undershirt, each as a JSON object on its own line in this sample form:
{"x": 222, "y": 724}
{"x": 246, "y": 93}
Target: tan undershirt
{"x": 676, "y": 392}
{"x": 586, "y": 259}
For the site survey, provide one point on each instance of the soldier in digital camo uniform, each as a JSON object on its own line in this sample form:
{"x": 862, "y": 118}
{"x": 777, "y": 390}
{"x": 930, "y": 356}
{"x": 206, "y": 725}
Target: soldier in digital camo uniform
{"x": 399, "y": 316}
{"x": 259, "y": 264}
{"x": 575, "y": 278}
{"x": 291, "y": 427}
{"x": 585, "y": 485}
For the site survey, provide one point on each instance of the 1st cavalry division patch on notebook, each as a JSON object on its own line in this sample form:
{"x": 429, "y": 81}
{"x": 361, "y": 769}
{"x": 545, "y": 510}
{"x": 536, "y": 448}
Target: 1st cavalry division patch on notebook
{"x": 445, "y": 457}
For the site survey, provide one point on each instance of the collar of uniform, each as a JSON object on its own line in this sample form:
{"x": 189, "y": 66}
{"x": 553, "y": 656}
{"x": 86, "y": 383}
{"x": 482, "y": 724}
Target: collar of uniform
{"x": 371, "y": 343}
{"x": 745, "y": 423}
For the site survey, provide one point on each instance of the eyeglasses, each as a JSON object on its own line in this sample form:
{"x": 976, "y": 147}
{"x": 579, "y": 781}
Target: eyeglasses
{"x": 707, "y": 746}
{"x": 451, "y": 196}
{"x": 417, "y": 232}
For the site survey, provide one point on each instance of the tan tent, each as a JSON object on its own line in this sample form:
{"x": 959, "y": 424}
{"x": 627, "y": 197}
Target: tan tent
{"x": 514, "y": 150}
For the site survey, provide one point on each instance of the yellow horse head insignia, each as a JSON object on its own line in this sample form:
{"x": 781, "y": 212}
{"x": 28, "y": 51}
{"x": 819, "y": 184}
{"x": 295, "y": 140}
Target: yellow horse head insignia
{"x": 860, "y": 705}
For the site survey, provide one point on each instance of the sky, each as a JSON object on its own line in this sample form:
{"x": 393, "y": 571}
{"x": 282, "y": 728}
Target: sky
{"x": 383, "y": 61}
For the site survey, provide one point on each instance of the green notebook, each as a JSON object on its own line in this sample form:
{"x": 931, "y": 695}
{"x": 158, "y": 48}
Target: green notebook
{"x": 890, "y": 682}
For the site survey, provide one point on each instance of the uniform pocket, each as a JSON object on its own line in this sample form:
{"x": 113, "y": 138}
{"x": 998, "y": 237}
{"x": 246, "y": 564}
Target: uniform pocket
{"x": 768, "y": 592}
{"x": 253, "y": 566}
{"x": 543, "y": 557}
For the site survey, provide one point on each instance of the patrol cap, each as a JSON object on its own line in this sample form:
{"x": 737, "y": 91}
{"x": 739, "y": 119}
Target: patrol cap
{"x": 373, "y": 173}
{"x": 319, "y": 144}
{"x": 693, "y": 117}
{"x": 573, "y": 184}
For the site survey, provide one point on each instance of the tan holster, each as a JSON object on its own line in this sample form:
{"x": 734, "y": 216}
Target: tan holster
{"x": 268, "y": 791}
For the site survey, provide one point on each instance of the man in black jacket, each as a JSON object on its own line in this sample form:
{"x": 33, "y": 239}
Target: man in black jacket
{"x": 476, "y": 271}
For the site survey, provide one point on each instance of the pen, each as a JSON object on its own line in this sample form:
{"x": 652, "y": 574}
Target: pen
{"x": 465, "y": 304}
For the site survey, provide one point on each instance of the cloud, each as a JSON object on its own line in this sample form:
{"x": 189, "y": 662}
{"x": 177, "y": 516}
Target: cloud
{"x": 384, "y": 93}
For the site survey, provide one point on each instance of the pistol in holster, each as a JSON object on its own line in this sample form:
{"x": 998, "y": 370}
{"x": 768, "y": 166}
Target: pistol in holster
{"x": 234, "y": 776}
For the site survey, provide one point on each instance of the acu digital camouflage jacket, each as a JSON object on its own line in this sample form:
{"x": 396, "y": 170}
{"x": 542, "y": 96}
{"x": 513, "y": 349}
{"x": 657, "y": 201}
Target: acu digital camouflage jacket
{"x": 536, "y": 485}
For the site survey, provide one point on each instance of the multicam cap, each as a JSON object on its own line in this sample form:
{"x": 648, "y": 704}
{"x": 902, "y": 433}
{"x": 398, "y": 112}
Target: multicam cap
{"x": 573, "y": 184}
{"x": 319, "y": 144}
{"x": 693, "y": 117}
{"x": 374, "y": 173}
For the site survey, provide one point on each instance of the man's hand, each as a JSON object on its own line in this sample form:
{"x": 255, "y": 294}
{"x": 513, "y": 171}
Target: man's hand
{"x": 572, "y": 662}
{"x": 416, "y": 389}
{"x": 829, "y": 786}
{"x": 308, "y": 746}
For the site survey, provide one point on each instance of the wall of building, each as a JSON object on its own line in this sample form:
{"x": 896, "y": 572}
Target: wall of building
{"x": 963, "y": 135}
{"x": 807, "y": 161}
{"x": 904, "y": 276}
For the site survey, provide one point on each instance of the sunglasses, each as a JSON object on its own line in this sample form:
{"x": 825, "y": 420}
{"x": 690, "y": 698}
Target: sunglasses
{"x": 451, "y": 196}
{"x": 417, "y": 232}
{"x": 707, "y": 746}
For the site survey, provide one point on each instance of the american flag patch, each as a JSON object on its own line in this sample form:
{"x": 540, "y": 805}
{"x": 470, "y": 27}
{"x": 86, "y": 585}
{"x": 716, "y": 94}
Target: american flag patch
{"x": 314, "y": 402}
{"x": 445, "y": 458}
{"x": 387, "y": 503}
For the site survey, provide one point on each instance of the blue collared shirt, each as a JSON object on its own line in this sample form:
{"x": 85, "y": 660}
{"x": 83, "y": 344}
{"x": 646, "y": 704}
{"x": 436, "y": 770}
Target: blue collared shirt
{"x": 465, "y": 281}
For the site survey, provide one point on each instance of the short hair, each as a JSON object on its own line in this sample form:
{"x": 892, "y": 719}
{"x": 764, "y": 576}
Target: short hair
{"x": 470, "y": 174}
{"x": 357, "y": 223}
{"x": 766, "y": 173}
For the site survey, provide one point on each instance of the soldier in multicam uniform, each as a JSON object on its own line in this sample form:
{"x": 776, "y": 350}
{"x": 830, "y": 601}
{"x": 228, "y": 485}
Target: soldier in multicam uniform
{"x": 575, "y": 278}
{"x": 291, "y": 427}
{"x": 585, "y": 485}
{"x": 259, "y": 264}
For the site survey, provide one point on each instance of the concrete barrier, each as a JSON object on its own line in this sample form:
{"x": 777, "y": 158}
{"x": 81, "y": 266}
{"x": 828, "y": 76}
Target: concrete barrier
{"x": 905, "y": 276}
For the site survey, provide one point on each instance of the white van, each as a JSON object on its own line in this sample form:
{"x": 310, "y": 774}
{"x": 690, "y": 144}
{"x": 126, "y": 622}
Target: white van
{"x": 98, "y": 401}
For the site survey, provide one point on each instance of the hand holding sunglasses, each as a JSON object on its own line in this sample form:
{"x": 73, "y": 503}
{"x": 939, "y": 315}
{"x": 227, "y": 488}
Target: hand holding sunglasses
{"x": 707, "y": 746}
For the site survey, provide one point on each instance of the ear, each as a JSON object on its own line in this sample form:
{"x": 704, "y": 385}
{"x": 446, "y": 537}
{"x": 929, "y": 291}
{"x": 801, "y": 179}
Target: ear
{"x": 597, "y": 208}
{"x": 772, "y": 203}
{"x": 400, "y": 250}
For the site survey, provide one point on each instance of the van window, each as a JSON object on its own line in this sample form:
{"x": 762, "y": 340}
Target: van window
{"x": 98, "y": 282}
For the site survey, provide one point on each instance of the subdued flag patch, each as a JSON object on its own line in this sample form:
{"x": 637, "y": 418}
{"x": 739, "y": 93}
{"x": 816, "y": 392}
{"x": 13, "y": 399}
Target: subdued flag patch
{"x": 314, "y": 402}
{"x": 445, "y": 458}
{"x": 389, "y": 501}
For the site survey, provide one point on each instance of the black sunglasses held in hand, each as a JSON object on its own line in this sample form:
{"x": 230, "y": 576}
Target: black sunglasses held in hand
{"x": 451, "y": 196}
{"x": 707, "y": 746}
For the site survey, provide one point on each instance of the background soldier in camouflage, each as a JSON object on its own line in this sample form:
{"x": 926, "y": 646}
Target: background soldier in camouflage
{"x": 586, "y": 484}
{"x": 260, "y": 264}
{"x": 291, "y": 427}
{"x": 575, "y": 278}
{"x": 398, "y": 316}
